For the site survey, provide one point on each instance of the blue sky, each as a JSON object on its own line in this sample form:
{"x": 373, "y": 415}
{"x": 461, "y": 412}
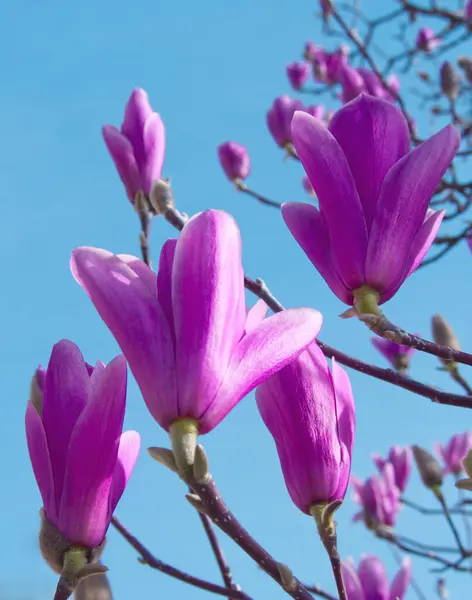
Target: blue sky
{"x": 212, "y": 70}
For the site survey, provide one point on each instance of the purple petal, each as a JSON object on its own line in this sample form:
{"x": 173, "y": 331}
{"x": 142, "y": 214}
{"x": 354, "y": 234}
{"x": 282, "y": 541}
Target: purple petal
{"x": 128, "y": 451}
{"x": 122, "y": 154}
{"x": 40, "y": 460}
{"x": 91, "y": 460}
{"x": 65, "y": 397}
{"x": 256, "y": 315}
{"x": 308, "y": 227}
{"x": 133, "y": 315}
{"x": 402, "y": 205}
{"x": 351, "y": 582}
{"x": 373, "y": 135}
{"x": 332, "y": 180}
{"x": 378, "y": 460}
{"x": 154, "y": 151}
{"x": 137, "y": 112}
{"x": 387, "y": 348}
{"x": 401, "y": 581}
{"x": 209, "y": 306}
{"x": 373, "y": 578}
{"x": 261, "y": 353}
{"x": 424, "y": 238}
{"x": 164, "y": 283}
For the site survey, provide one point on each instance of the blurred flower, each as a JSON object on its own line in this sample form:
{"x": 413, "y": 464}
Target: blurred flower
{"x": 138, "y": 148}
{"x": 352, "y": 84}
{"x": 82, "y": 419}
{"x": 454, "y": 452}
{"x": 450, "y": 80}
{"x": 398, "y": 355}
{"x": 426, "y": 39}
{"x": 373, "y": 227}
{"x": 370, "y": 581}
{"x": 465, "y": 63}
{"x": 444, "y": 335}
{"x": 468, "y": 10}
{"x": 234, "y": 160}
{"x": 307, "y": 185}
{"x": 279, "y": 119}
{"x": 310, "y": 414}
{"x": 316, "y": 111}
{"x": 326, "y": 7}
{"x": 189, "y": 343}
{"x": 428, "y": 467}
{"x": 379, "y": 498}
{"x": 297, "y": 73}
{"x": 401, "y": 460}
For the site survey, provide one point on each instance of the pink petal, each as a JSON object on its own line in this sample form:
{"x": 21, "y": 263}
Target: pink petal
{"x": 65, "y": 396}
{"x": 133, "y": 315}
{"x": 164, "y": 282}
{"x": 128, "y": 451}
{"x": 146, "y": 276}
{"x": 91, "y": 460}
{"x": 308, "y": 227}
{"x": 154, "y": 149}
{"x": 351, "y": 582}
{"x": 264, "y": 351}
{"x": 256, "y": 315}
{"x": 403, "y": 201}
{"x": 138, "y": 110}
{"x": 122, "y": 154}
{"x": 332, "y": 180}
{"x": 401, "y": 581}
{"x": 209, "y": 306}
{"x": 40, "y": 460}
{"x": 373, "y": 135}
{"x": 373, "y": 577}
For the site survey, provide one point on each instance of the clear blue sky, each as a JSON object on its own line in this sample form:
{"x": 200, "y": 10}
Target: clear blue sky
{"x": 212, "y": 70}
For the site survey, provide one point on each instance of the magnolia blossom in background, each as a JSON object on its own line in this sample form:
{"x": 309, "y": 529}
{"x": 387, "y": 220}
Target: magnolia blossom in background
{"x": 192, "y": 348}
{"x": 373, "y": 227}
{"x": 279, "y": 118}
{"x": 352, "y": 84}
{"x": 297, "y": 73}
{"x": 469, "y": 243}
{"x": 401, "y": 460}
{"x": 138, "y": 148}
{"x": 450, "y": 80}
{"x": 454, "y": 452}
{"x": 398, "y": 355}
{"x": 468, "y": 10}
{"x": 235, "y": 161}
{"x": 370, "y": 580}
{"x": 316, "y": 110}
{"x": 379, "y": 498}
{"x": 426, "y": 39}
{"x": 82, "y": 419}
{"x": 310, "y": 413}
{"x": 307, "y": 185}
{"x": 326, "y": 8}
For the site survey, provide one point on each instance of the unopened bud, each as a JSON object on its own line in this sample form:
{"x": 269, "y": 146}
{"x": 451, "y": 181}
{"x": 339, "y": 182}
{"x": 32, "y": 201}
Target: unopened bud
{"x": 444, "y": 335}
{"x": 164, "y": 457}
{"x": 183, "y": 434}
{"x": 465, "y": 63}
{"x": 201, "y": 468}
{"x": 287, "y": 579}
{"x": 95, "y": 587}
{"x": 161, "y": 196}
{"x": 428, "y": 467}
{"x": 450, "y": 80}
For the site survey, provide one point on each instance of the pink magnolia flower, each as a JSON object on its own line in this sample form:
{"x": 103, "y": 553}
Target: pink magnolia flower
{"x": 185, "y": 334}
{"x": 398, "y": 355}
{"x": 138, "y": 148}
{"x": 370, "y": 580}
{"x": 310, "y": 413}
{"x": 352, "y": 84}
{"x": 454, "y": 452}
{"x": 426, "y": 39}
{"x": 468, "y": 10}
{"x": 81, "y": 459}
{"x": 234, "y": 160}
{"x": 373, "y": 227}
{"x": 279, "y": 119}
{"x": 401, "y": 460}
{"x": 336, "y": 62}
{"x": 297, "y": 73}
{"x": 379, "y": 498}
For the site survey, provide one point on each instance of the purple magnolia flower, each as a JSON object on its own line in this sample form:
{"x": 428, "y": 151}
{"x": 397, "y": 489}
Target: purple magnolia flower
{"x": 235, "y": 161}
{"x": 81, "y": 459}
{"x": 469, "y": 243}
{"x": 468, "y": 10}
{"x": 370, "y": 581}
{"x": 138, "y": 148}
{"x": 335, "y": 65}
{"x": 297, "y": 73}
{"x": 326, "y": 8}
{"x": 454, "y": 452}
{"x": 373, "y": 227}
{"x": 401, "y": 460}
{"x": 279, "y": 119}
{"x": 310, "y": 51}
{"x": 398, "y": 355}
{"x": 185, "y": 334}
{"x": 352, "y": 84}
{"x": 316, "y": 110}
{"x": 310, "y": 413}
{"x": 426, "y": 39}
{"x": 379, "y": 498}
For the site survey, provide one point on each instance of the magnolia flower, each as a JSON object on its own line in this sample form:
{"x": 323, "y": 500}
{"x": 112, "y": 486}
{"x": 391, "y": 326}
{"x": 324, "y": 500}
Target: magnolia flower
{"x": 398, "y": 355}
{"x": 310, "y": 414}
{"x": 81, "y": 459}
{"x": 454, "y": 452}
{"x": 234, "y": 160}
{"x": 138, "y": 148}
{"x": 279, "y": 119}
{"x": 401, "y": 460}
{"x": 192, "y": 348}
{"x": 426, "y": 39}
{"x": 373, "y": 227}
{"x": 297, "y": 73}
{"x": 379, "y": 498}
{"x": 370, "y": 580}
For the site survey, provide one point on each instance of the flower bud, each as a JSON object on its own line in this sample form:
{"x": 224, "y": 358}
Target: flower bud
{"x": 234, "y": 160}
{"x": 428, "y": 467}
{"x": 450, "y": 80}
{"x": 444, "y": 335}
{"x": 297, "y": 73}
{"x": 465, "y": 63}
{"x": 279, "y": 119}
{"x": 161, "y": 196}
{"x": 426, "y": 40}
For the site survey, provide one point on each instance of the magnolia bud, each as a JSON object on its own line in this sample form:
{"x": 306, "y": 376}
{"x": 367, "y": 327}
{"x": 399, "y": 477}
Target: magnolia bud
{"x": 161, "y": 196}
{"x": 95, "y": 587}
{"x": 465, "y": 63}
{"x": 444, "y": 335}
{"x": 450, "y": 81}
{"x": 428, "y": 467}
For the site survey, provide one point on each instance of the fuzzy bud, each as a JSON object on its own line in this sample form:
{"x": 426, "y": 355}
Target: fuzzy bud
{"x": 465, "y": 63}
{"x": 450, "y": 80}
{"x": 95, "y": 587}
{"x": 444, "y": 335}
{"x": 161, "y": 196}
{"x": 428, "y": 467}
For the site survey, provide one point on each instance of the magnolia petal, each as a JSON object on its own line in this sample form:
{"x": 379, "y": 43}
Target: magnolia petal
{"x": 308, "y": 227}
{"x": 122, "y": 153}
{"x": 164, "y": 282}
{"x": 128, "y": 451}
{"x": 261, "y": 353}
{"x": 373, "y": 577}
{"x": 256, "y": 315}
{"x": 137, "y": 112}
{"x": 401, "y": 580}
{"x": 329, "y": 173}
{"x": 154, "y": 149}
{"x": 146, "y": 276}
{"x": 351, "y": 581}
